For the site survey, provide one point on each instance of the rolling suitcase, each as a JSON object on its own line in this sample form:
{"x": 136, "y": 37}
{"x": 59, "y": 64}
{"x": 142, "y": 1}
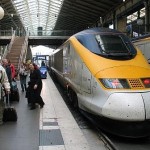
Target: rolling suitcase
{"x": 9, "y": 113}
{"x": 15, "y": 95}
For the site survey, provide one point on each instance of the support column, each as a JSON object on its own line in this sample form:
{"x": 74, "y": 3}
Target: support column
{"x": 114, "y": 20}
{"x": 121, "y": 24}
{"x": 147, "y": 15}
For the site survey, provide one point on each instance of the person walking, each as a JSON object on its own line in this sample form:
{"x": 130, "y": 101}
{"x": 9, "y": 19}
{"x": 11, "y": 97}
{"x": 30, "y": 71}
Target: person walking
{"x": 35, "y": 87}
{"x": 23, "y": 72}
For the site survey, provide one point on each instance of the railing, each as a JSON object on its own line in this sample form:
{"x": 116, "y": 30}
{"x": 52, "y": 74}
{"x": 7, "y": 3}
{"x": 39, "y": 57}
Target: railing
{"x": 8, "y": 47}
{"x": 38, "y": 33}
{"x": 53, "y": 33}
{"x": 23, "y": 52}
{"x": 6, "y": 33}
{"x": 11, "y": 42}
{"x": 5, "y": 52}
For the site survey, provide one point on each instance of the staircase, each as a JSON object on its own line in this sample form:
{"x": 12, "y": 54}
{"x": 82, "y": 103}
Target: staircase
{"x": 16, "y": 51}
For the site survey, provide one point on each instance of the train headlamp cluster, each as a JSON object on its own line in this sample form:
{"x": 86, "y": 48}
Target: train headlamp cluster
{"x": 146, "y": 82}
{"x": 122, "y": 83}
{"x": 115, "y": 83}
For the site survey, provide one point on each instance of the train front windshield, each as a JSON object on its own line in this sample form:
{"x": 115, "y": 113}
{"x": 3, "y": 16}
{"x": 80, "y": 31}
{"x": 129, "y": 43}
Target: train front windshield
{"x": 113, "y": 46}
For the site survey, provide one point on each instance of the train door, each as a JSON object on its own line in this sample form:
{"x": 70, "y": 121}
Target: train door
{"x": 86, "y": 80}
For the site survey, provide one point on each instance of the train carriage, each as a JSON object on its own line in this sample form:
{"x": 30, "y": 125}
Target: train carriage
{"x": 106, "y": 76}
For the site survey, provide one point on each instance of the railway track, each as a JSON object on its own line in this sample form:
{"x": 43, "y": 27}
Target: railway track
{"x": 120, "y": 143}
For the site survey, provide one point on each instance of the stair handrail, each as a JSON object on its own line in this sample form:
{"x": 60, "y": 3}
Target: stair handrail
{"x": 5, "y": 52}
{"x": 12, "y": 41}
{"x": 23, "y": 51}
{"x": 9, "y": 46}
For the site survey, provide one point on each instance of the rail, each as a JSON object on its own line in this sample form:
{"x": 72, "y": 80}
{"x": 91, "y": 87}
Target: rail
{"x": 23, "y": 52}
{"x": 6, "y": 32}
{"x": 8, "y": 47}
{"x": 38, "y": 33}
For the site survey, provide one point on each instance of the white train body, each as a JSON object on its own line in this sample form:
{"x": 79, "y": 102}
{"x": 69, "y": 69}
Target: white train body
{"x": 89, "y": 75}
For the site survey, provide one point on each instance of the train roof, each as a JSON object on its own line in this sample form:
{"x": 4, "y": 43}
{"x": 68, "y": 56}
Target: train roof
{"x": 97, "y": 30}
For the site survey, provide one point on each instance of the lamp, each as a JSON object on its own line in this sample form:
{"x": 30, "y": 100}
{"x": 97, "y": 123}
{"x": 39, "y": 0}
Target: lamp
{"x": 1, "y": 13}
{"x": 139, "y": 21}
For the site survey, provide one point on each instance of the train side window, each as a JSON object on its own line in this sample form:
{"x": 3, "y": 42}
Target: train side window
{"x": 68, "y": 47}
{"x": 66, "y": 50}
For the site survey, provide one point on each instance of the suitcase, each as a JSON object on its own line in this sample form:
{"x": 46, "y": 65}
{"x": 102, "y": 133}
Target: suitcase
{"x": 9, "y": 113}
{"x": 14, "y": 96}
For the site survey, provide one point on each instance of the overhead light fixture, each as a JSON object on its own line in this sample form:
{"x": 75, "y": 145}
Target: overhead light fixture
{"x": 140, "y": 21}
{"x": 1, "y": 13}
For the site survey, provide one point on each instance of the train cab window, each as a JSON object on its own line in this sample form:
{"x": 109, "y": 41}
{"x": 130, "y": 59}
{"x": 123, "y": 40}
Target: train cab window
{"x": 113, "y": 46}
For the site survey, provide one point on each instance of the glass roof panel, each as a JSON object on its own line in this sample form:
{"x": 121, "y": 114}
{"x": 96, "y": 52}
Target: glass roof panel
{"x": 134, "y": 16}
{"x": 38, "y": 13}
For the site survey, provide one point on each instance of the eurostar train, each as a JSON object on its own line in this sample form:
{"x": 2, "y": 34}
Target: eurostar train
{"x": 143, "y": 43}
{"x": 107, "y": 77}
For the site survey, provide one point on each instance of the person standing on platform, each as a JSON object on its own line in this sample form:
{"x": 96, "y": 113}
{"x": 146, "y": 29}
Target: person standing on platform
{"x": 35, "y": 87}
{"x": 7, "y": 68}
{"x": 13, "y": 71}
{"x": 43, "y": 63}
{"x": 23, "y": 72}
{"x": 3, "y": 82}
{"x": 5, "y": 64}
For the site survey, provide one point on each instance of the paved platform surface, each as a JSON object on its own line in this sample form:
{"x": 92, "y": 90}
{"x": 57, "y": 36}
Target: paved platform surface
{"x": 23, "y": 134}
{"x": 58, "y": 129}
{"x": 50, "y": 128}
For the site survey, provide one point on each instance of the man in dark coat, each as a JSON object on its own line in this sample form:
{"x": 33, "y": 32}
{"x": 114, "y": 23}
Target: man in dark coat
{"x": 35, "y": 87}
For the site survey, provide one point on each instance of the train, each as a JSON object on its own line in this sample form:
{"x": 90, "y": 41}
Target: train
{"x": 143, "y": 43}
{"x": 106, "y": 77}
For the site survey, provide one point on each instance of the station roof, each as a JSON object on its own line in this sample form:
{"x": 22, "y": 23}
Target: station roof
{"x": 49, "y": 15}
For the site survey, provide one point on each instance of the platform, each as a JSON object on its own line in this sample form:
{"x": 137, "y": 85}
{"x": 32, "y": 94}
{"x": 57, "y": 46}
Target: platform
{"x": 50, "y": 128}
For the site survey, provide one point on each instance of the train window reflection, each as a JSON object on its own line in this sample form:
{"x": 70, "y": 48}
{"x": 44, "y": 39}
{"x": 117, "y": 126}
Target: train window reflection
{"x": 111, "y": 44}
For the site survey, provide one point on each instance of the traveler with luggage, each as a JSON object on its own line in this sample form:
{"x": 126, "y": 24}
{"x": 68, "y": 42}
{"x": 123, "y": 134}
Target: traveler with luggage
{"x": 3, "y": 83}
{"x": 35, "y": 86}
{"x": 7, "y": 68}
{"x": 5, "y": 64}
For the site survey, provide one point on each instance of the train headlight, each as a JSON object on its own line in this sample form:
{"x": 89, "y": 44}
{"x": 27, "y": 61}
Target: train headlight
{"x": 146, "y": 82}
{"x": 115, "y": 83}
